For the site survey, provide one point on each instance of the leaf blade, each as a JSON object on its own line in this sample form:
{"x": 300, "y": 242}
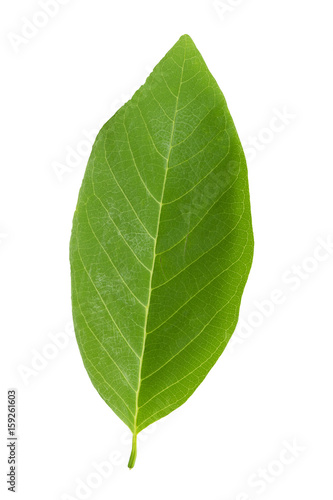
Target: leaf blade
{"x": 162, "y": 241}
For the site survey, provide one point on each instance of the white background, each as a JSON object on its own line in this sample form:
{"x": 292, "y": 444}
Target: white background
{"x": 273, "y": 385}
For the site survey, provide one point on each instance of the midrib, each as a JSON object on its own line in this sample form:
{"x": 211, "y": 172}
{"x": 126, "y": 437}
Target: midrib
{"x": 153, "y": 266}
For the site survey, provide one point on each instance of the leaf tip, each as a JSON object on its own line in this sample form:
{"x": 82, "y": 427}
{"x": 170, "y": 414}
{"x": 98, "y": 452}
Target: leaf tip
{"x": 186, "y": 38}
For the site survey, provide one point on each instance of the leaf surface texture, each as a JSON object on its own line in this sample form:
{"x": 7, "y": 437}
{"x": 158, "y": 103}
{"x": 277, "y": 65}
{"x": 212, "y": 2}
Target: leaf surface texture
{"x": 162, "y": 241}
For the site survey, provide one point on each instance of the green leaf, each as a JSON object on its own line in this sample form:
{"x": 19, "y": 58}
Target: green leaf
{"x": 162, "y": 242}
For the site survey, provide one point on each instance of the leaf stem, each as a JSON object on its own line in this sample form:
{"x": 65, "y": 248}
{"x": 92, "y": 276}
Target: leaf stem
{"x": 132, "y": 457}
